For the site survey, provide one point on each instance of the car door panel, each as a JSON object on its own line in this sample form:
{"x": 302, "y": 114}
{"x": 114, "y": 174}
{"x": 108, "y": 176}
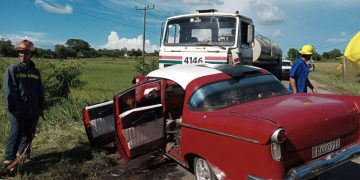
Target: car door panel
{"x": 99, "y": 123}
{"x": 140, "y": 128}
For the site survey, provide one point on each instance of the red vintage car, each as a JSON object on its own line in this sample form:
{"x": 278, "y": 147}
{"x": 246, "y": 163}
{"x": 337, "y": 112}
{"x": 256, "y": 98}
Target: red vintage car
{"x": 229, "y": 122}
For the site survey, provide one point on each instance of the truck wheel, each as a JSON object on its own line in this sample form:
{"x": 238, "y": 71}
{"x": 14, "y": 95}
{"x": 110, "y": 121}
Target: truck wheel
{"x": 202, "y": 170}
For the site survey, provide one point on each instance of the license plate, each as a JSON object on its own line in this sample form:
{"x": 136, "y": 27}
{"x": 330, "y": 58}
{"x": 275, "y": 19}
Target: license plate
{"x": 193, "y": 60}
{"x": 325, "y": 148}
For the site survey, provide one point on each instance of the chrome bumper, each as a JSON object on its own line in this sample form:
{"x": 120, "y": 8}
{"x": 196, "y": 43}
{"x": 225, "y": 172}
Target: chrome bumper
{"x": 326, "y": 163}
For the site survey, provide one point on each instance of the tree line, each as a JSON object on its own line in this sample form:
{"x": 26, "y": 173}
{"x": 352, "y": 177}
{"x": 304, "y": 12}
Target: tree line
{"x": 333, "y": 54}
{"x": 73, "y": 48}
{"x": 78, "y": 48}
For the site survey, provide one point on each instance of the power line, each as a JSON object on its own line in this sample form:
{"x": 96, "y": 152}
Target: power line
{"x": 103, "y": 18}
{"x": 335, "y": 44}
{"x": 141, "y": 2}
{"x": 160, "y": 10}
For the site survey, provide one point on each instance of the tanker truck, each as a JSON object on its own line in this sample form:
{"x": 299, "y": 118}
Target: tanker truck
{"x": 216, "y": 38}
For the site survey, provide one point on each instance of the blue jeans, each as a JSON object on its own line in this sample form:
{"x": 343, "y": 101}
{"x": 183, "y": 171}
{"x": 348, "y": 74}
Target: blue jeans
{"x": 19, "y": 136}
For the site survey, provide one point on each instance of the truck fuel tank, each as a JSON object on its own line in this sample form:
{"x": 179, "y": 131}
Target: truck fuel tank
{"x": 265, "y": 50}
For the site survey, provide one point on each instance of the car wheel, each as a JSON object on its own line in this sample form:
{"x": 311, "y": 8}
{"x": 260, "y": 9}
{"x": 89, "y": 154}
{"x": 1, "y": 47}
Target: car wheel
{"x": 202, "y": 170}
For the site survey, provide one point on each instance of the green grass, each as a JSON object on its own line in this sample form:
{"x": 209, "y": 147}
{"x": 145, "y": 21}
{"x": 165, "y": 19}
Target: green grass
{"x": 60, "y": 148}
{"x": 330, "y": 74}
{"x": 105, "y": 78}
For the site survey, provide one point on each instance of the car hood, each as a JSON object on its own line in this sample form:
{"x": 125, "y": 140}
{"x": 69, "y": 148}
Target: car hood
{"x": 308, "y": 119}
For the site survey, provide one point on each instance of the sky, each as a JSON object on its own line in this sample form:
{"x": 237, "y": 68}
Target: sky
{"x": 115, "y": 24}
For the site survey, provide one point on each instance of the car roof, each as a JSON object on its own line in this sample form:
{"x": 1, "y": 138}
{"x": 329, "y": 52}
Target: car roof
{"x": 285, "y": 60}
{"x": 183, "y": 74}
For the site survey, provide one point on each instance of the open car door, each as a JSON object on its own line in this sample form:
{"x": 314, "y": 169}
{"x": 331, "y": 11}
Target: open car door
{"x": 139, "y": 120}
{"x": 99, "y": 123}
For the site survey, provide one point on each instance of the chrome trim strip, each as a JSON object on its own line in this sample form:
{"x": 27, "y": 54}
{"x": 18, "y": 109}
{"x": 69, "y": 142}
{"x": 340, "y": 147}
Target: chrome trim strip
{"x": 98, "y": 105}
{"x": 275, "y": 135}
{"x": 122, "y": 115}
{"x": 324, "y": 164}
{"x": 251, "y": 177}
{"x": 221, "y": 134}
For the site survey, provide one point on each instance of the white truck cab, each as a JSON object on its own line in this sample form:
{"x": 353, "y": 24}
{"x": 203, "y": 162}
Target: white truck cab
{"x": 216, "y": 38}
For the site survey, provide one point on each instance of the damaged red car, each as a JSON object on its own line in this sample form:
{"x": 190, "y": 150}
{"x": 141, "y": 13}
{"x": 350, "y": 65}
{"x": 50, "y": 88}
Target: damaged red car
{"x": 229, "y": 122}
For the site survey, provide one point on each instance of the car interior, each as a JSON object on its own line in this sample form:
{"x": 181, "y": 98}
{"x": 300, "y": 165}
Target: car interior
{"x": 173, "y": 113}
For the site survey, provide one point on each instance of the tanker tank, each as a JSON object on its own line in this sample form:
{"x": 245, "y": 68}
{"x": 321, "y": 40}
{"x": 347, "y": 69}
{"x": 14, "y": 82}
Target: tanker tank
{"x": 266, "y": 51}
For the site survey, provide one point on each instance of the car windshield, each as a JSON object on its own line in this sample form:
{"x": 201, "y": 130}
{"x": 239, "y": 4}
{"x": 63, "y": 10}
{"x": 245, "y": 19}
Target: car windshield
{"x": 236, "y": 91}
{"x": 201, "y": 31}
{"x": 286, "y": 63}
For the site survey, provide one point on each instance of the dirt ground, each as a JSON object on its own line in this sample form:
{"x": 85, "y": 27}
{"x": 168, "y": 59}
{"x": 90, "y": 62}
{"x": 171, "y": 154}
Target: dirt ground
{"x": 147, "y": 167}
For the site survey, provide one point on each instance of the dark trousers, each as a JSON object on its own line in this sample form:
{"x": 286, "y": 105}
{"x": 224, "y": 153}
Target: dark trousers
{"x": 19, "y": 136}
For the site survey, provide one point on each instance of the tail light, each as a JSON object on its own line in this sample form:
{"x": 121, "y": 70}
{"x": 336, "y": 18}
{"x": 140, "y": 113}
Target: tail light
{"x": 278, "y": 137}
{"x": 275, "y": 151}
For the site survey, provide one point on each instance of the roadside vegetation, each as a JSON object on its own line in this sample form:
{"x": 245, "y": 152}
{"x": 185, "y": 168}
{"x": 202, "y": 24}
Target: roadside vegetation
{"x": 60, "y": 148}
{"x": 330, "y": 73}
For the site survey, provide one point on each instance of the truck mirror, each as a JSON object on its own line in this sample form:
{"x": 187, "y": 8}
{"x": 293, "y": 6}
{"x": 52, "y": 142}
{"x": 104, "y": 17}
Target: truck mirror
{"x": 250, "y": 35}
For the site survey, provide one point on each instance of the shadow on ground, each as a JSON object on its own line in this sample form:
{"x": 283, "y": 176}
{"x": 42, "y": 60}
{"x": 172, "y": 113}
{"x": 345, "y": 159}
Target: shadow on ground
{"x": 59, "y": 164}
{"x": 85, "y": 162}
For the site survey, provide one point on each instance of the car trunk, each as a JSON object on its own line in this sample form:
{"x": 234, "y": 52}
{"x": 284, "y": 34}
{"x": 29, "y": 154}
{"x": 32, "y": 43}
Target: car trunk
{"x": 309, "y": 121}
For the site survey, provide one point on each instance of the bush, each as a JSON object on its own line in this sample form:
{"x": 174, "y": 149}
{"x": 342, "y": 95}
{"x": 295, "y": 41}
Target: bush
{"x": 58, "y": 77}
{"x": 144, "y": 68}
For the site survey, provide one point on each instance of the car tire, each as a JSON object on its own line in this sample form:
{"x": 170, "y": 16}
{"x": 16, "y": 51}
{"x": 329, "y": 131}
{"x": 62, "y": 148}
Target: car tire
{"x": 202, "y": 170}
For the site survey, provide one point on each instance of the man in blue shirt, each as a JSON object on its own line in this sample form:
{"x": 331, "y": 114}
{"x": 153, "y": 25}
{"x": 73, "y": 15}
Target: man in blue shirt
{"x": 299, "y": 72}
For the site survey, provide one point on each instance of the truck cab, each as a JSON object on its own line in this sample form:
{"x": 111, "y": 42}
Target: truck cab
{"x": 208, "y": 37}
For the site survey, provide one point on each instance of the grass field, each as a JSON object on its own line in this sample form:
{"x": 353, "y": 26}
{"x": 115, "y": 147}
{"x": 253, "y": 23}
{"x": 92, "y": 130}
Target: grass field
{"x": 61, "y": 149}
{"x": 330, "y": 74}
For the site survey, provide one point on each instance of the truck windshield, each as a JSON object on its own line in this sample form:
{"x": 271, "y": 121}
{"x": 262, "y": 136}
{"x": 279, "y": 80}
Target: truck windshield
{"x": 232, "y": 92}
{"x": 201, "y": 31}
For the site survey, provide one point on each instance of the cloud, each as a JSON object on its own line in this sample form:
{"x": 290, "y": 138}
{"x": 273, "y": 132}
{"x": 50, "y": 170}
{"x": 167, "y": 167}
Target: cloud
{"x": 342, "y": 37}
{"x": 40, "y": 39}
{"x": 278, "y": 33}
{"x": 15, "y": 38}
{"x": 322, "y": 2}
{"x": 115, "y": 42}
{"x": 54, "y": 8}
{"x": 37, "y": 35}
{"x": 267, "y": 13}
{"x": 204, "y": 2}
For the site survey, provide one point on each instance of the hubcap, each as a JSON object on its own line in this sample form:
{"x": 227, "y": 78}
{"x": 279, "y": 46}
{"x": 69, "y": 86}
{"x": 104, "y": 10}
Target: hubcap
{"x": 202, "y": 170}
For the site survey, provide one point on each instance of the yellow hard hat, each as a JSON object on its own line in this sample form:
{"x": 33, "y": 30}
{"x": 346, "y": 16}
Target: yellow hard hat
{"x": 307, "y": 49}
{"x": 25, "y": 45}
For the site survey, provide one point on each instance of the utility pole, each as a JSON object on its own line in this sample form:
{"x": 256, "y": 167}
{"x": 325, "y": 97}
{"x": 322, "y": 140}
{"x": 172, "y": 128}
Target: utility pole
{"x": 147, "y": 7}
